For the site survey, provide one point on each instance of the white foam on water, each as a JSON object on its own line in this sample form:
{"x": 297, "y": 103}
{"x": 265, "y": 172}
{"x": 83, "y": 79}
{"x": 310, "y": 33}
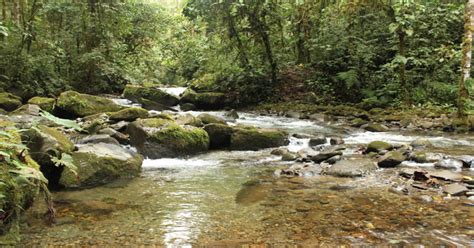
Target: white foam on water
{"x": 297, "y": 144}
{"x": 173, "y": 163}
{"x": 367, "y": 137}
{"x": 174, "y": 90}
{"x": 415, "y": 164}
{"x": 125, "y": 102}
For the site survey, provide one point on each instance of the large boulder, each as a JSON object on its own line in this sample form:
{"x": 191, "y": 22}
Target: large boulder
{"x": 205, "y": 100}
{"x": 351, "y": 168}
{"x": 45, "y": 103}
{"x": 158, "y": 138}
{"x": 9, "y": 102}
{"x": 74, "y": 104}
{"x": 219, "y": 135}
{"x": 249, "y": 138}
{"x": 141, "y": 93}
{"x": 128, "y": 114}
{"x": 97, "y": 164}
{"x": 44, "y": 144}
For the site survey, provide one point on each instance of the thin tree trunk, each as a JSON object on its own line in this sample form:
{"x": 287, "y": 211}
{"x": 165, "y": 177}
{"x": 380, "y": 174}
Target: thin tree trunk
{"x": 402, "y": 69}
{"x": 466, "y": 57}
{"x": 15, "y": 12}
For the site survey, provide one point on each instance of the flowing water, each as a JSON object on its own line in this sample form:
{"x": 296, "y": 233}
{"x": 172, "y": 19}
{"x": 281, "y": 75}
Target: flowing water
{"x": 232, "y": 199}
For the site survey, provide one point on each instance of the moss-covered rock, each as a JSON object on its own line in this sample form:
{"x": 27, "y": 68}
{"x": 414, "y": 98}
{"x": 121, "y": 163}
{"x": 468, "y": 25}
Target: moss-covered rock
{"x": 391, "y": 159}
{"x": 128, "y": 114}
{"x": 376, "y": 127}
{"x": 419, "y": 157}
{"x": 358, "y": 122}
{"x": 101, "y": 163}
{"x": 74, "y": 104}
{"x": 153, "y": 94}
{"x": 219, "y": 135}
{"x": 208, "y": 119}
{"x": 27, "y": 109}
{"x": 189, "y": 119}
{"x": 378, "y": 146}
{"x": 45, "y": 103}
{"x": 157, "y": 138}
{"x": 9, "y": 102}
{"x": 44, "y": 143}
{"x": 255, "y": 139}
{"x": 205, "y": 100}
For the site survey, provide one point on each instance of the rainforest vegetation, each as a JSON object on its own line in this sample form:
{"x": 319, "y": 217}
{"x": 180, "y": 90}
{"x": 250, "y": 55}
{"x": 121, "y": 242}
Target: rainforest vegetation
{"x": 376, "y": 53}
{"x": 139, "y": 94}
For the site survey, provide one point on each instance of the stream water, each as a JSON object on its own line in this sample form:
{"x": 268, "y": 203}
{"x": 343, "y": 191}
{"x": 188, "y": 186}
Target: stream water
{"x": 232, "y": 198}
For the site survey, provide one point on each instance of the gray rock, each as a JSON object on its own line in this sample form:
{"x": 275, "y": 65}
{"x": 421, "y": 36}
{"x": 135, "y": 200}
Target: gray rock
{"x": 232, "y": 114}
{"x": 391, "y": 159}
{"x": 455, "y": 189}
{"x": 351, "y": 168}
{"x": 421, "y": 143}
{"x": 320, "y": 140}
{"x": 376, "y": 127}
{"x": 98, "y": 138}
{"x": 323, "y": 156}
{"x": 187, "y": 107}
{"x": 336, "y": 141}
{"x": 450, "y": 164}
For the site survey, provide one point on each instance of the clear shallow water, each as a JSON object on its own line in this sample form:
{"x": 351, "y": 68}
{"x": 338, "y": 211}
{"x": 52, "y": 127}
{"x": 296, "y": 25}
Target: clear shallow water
{"x": 231, "y": 198}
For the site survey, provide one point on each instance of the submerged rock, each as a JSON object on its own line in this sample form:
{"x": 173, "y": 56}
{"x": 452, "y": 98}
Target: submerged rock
{"x": 351, "y": 168}
{"x": 158, "y": 138}
{"x": 143, "y": 94}
{"x": 101, "y": 163}
{"x": 455, "y": 189}
{"x": 255, "y": 139}
{"x": 74, "y": 104}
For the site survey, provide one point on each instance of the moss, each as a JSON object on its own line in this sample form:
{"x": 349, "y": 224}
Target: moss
{"x": 378, "y": 146}
{"x": 357, "y": 122}
{"x": 64, "y": 144}
{"x": 136, "y": 93}
{"x": 205, "y": 100}
{"x": 189, "y": 119}
{"x": 128, "y": 114}
{"x": 98, "y": 164}
{"x": 182, "y": 140}
{"x": 154, "y": 122}
{"x": 45, "y": 103}
{"x": 80, "y": 105}
{"x": 208, "y": 119}
{"x": 9, "y": 102}
{"x": 255, "y": 139}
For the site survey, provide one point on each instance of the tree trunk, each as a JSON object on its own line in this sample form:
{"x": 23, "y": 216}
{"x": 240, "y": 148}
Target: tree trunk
{"x": 466, "y": 58}
{"x": 4, "y": 10}
{"x": 402, "y": 69}
{"x": 15, "y": 12}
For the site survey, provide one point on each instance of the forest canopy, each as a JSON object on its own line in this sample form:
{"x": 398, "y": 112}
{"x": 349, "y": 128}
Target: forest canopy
{"x": 372, "y": 53}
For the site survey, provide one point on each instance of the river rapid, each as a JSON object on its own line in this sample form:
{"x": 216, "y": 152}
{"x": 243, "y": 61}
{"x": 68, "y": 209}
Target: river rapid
{"x": 233, "y": 198}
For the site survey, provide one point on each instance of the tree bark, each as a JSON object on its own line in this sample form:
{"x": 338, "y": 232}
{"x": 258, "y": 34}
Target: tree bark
{"x": 15, "y": 12}
{"x": 466, "y": 58}
{"x": 4, "y": 10}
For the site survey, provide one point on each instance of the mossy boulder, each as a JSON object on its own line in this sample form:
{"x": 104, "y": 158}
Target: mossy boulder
{"x": 99, "y": 164}
{"x": 205, "y": 100}
{"x": 378, "y": 146}
{"x": 358, "y": 122}
{"x": 153, "y": 94}
{"x": 419, "y": 157}
{"x": 255, "y": 139}
{"x": 208, "y": 119}
{"x": 219, "y": 135}
{"x": 74, "y": 104}
{"x": 158, "y": 138}
{"x": 128, "y": 114}
{"x": 391, "y": 159}
{"x": 44, "y": 143}
{"x": 9, "y": 102}
{"x": 45, "y": 103}
{"x": 376, "y": 127}
{"x": 27, "y": 109}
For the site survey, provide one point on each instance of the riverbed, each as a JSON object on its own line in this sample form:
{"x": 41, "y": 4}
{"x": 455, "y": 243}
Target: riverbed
{"x": 233, "y": 198}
